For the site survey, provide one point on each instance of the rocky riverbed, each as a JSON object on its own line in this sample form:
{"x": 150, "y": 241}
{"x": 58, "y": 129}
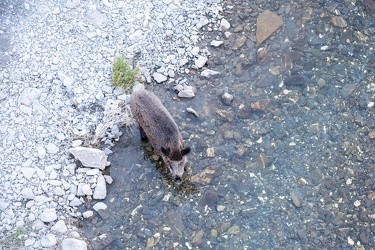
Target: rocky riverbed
{"x": 276, "y": 99}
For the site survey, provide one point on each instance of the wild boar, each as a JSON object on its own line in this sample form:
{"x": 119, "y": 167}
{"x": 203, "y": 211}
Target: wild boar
{"x": 157, "y": 125}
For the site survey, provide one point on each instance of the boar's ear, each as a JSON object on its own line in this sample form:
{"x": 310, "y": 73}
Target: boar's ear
{"x": 185, "y": 151}
{"x": 165, "y": 151}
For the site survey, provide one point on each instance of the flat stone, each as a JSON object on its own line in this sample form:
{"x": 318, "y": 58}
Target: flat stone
{"x": 159, "y": 78}
{"x": 186, "y": 92}
{"x": 239, "y": 42}
{"x": 48, "y": 215}
{"x": 71, "y": 243}
{"x": 88, "y": 214}
{"x": 209, "y": 198}
{"x": 75, "y": 202}
{"x": 198, "y": 239}
{"x": 90, "y": 157}
{"x": 267, "y": 24}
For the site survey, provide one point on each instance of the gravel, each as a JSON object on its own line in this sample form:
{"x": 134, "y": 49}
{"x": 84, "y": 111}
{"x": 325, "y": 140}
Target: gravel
{"x": 56, "y": 94}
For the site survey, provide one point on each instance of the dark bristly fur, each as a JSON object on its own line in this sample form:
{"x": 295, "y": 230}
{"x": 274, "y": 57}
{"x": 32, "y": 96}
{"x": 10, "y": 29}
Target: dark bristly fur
{"x": 157, "y": 124}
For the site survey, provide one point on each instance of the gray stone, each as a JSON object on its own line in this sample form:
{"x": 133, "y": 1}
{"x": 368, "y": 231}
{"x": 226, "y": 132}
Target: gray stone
{"x": 70, "y": 243}
{"x": 159, "y": 78}
{"x": 90, "y": 157}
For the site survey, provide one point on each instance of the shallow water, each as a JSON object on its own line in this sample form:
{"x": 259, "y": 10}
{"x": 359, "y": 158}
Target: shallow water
{"x": 289, "y": 163}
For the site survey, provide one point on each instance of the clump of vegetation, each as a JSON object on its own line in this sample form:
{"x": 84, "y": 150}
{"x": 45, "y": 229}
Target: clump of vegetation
{"x": 14, "y": 238}
{"x": 123, "y": 75}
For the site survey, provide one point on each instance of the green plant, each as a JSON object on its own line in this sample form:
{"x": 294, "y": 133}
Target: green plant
{"x": 15, "y": 238}
{"x": 123, "y": 75}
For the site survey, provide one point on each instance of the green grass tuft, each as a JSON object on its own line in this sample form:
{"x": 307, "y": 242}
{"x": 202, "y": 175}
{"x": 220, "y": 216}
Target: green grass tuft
{"x": 123, "y": 75}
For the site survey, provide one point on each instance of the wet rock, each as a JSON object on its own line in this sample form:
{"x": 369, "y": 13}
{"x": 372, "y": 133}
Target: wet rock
{"x": 151, "y": 242}
{"x": 203, "y": 177}
{"x": 71, "y": 243}
{"x": 222, "y": 227}
{"x": 262, "y": 54}
{"x": 261, "y": 105}
{"x": 234, "y": 229}
{"x": 347, "y": 90}
{"x": 225, "y": 115}
{"x": 249, "y": 212}
{"x": 215, "y": 43}
{"x": 344, "y": 231}
{"x": 371, "y": 134}
{"x": 239, "y": 42}
{"x": 227, "y": 98}
{"x": 209, "y": 198}
{"x": 369, "y": 7}
{"x": 209, "y": 73}
{"x": 214, "y": 233}
{"x": 267, "y": 24}
{"x": 338, "y": 21}
{"x": 90, "y": 157}
{"x": 174, "y": 221}
{"x": 198, "y": 239}
{"x": 295, "y": 80}
{"x": 192, "y": 111}
{"x": 210, "y": 152}
{"x": 101, "y": 241}
{"x": 295, "y": 199}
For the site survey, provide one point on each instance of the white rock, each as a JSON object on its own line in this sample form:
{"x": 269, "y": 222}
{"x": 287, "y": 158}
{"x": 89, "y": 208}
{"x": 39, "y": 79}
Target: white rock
{"x": 28, "y": 193}
{"x": 90, "y": 157}
{"x": 136, "y": 35}
{"x": 88, "y": 214}
{"x": 71, "y": 4}
{"x": 159, "y": 78}
{"x": 108, "y": 179}
{"x": 100, "y": 191}
{"x": 209, "y": 73}
{"x": 28, "y": 172}
{"x": 59, "y": 227}
{"x": 100, "y": 206}
{"x": 94, "y": 171}
{"x": 224, "y": 24}
{"x": 29, "y": 95}
{"x": 48, "y": 215}
{"x": 187, "y": 92}
{"x": 183, "y": 61}
{"x": 86, "y": 189}
{"x": 215, "y": 43}
{"x": 48, "y": 240}
{"x": 70, "y": 244}
{"x": 41, "y": 152}
{"x": 75, "y": 202}
{"x": 59, "y": 191}
{"x": 29, "y": 242}
{"x": 52, "y": 148}
{"x": 201, "y": 61}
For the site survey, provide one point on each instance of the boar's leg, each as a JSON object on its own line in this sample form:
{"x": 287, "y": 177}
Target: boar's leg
{"x": 143, "y": 134}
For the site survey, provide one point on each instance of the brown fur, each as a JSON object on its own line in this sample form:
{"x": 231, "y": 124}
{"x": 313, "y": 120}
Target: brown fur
{"x": 161, "y": 130}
